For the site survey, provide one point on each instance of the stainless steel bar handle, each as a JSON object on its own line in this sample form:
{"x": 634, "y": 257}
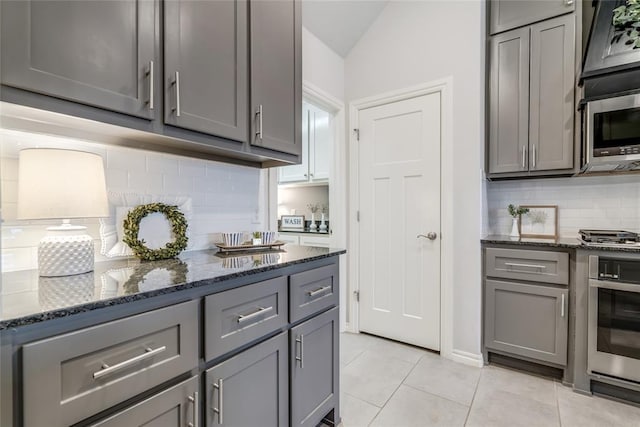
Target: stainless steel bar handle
{"x": 259, "y": 117}
{"x": 562, "y": 306}
{"x": 149, "y": 353}
{"x": 300, "y": 358}
{"x": 524, "y": 157}
{"x": 515, "y": 264}
{"x": 176, "y": 82}
{"x": 533, "y": 156}
{"x": 151, "y": 83}
{"x": 568, "y": 2}
{"x": 319, "y": 291}
{"x": 246, "y": 317}
{"x": 196, "y": 411}
{"x": 219, "y": 385}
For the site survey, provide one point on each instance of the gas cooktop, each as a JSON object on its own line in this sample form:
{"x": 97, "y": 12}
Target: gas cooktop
{"x": 609, "y": 238}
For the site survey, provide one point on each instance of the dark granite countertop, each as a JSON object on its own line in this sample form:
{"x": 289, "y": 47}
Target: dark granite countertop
{"x": 562, "y": 242}
{"x": 26, "y": 298}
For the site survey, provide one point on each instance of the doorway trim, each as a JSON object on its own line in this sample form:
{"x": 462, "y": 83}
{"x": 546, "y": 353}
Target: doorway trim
{"x": 337, "y": 185}
{"x": 445, "y": 88}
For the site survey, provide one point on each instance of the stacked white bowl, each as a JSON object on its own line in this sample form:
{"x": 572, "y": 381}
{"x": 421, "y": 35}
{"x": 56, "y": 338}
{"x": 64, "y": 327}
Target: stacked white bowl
{"x": 268, "y": 237}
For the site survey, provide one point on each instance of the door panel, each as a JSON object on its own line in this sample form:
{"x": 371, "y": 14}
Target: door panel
{"x": 399, "y": 179}
{"x": 206, "y": 43}
{"x": 508, "y": 14}
{"x": 96, "y": 52}
{"x": 509, "y": 102}
{"x": 276, "y": 74}
{"x": 552, "y": 94}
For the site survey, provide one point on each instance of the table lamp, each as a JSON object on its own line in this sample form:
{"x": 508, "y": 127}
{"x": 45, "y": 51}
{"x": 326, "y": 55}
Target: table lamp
{"x": 62, "y": 184}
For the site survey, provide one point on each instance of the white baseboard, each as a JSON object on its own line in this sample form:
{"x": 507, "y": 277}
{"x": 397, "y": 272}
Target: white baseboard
{"x": 467, "y": 358}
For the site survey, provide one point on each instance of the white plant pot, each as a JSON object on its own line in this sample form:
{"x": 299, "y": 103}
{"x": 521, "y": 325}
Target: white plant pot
{"x": 515, "y": 233}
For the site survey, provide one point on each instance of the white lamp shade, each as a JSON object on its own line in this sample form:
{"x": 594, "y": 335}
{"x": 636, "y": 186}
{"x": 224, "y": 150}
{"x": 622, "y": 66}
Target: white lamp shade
{"x": 61, "y": 184}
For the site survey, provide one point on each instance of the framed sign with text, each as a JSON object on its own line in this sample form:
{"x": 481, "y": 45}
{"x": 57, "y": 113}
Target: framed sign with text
{"x": 292, "y": 222}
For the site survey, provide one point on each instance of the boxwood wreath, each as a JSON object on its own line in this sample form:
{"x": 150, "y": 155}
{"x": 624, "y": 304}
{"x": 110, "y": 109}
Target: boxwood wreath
{"x": 178, "y": 227}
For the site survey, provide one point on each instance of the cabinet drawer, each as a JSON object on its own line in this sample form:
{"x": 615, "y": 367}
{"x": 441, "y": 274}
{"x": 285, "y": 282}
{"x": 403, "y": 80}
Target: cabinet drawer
{"x": 318, "y": 241}
{"x": 312, "y": 291}
{"x": 71, "y": 377}
{"x": 239, "y": 316}
{"x": 535, "y": 266}
{"x": 177, "y": 406}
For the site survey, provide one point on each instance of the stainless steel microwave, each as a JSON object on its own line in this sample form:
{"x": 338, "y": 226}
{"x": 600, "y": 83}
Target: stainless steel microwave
{"x": 612, "y": 134}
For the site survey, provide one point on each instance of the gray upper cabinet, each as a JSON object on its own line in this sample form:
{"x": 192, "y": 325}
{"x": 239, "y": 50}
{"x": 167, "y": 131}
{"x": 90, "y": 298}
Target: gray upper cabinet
{"x": 531, "y": 99}
{"x": 99, "y": 53}
{"x": 205, "y": 78}
{"x": 252, "y": 388}
{"x": 551, "y": 96}
{"x": 527, "y": 320}
{"x": 314, "y": 369}
{"x": 276, "y": 75}
{"x": 508, "y": 14}
{"x": 509, "y": 102}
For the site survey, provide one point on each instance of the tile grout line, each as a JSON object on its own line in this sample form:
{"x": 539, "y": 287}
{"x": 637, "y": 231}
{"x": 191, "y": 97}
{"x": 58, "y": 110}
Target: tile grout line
{"x": 436, "y": 395}
{"x": 555, "y": 390}
{"x": 475, "y": 392}
{"x": 396, "y": 390}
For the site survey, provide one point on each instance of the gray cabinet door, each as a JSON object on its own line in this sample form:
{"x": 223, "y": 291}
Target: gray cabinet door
{"x": 205, "y": 80}
{"x": 252, "y": 388}
{"x": 509, "y": 102}
{"x": 527, "y": 320}
{"x": 98, "y": 53}
{"x": 315, "y": 385}
{"x": 508, "y": 14}
{"x": 177, "y": 406}
{"x": 551, "y": 94}
{"x": 276, "y": 75}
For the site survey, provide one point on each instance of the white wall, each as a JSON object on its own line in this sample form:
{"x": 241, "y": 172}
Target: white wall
{"x": 224, "y": 197}
{"x": 417, "y": 42}
{"x": 321, "y": 66}
{"x": 604, "y": 202}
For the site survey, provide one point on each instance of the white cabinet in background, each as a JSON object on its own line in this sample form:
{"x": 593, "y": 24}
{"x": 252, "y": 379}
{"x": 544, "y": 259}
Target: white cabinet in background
{"x": 316, "y": 139}
{"x": 303, "y": 239}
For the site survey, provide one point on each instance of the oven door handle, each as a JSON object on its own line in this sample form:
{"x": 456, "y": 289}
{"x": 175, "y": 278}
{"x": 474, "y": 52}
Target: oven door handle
{"x": 616, "y": 286}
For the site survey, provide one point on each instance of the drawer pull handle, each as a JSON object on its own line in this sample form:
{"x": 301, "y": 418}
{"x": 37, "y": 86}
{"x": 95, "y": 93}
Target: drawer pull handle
{"x": 513, "y": 264}
{"x": 562, "y": 307}
{"x": 300, "y": 358}
{"x": 106, "y": 369}
{"x": 195, "y": 402}
{"x": 150, "y": 74}
{"x": 218, "y": 410}
{"x": 246, "y": 317}
{"x": 176, "y": 83}
{"x": 319, "y": 291}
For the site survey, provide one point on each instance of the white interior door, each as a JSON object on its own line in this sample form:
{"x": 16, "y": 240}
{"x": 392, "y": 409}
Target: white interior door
{"x": 399, "y": 199}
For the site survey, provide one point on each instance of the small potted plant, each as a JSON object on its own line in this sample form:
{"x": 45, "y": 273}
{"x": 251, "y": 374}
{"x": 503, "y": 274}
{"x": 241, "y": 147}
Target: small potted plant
{"x": 257, "y": 238}
{"x": 516, "y": 212}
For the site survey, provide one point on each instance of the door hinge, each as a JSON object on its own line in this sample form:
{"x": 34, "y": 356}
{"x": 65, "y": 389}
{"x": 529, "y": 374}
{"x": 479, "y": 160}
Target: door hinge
{"x": 356, "y": 295}
{"x": 357, "y": 131}
{"x": 358, "y": 216}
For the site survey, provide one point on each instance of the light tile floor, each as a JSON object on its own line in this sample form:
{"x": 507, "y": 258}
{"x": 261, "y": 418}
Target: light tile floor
{"x": 385, "y": 383}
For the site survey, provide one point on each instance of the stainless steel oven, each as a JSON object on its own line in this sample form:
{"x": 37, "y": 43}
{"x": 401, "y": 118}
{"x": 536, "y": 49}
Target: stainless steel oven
{"x": 614, "y": 317}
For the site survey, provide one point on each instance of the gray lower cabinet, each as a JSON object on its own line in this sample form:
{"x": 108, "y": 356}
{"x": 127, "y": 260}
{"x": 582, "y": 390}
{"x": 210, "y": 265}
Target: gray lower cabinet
{"x": 71, "y": 377}
{"x": 177, "y": 406}
{"x": 314, "y": 369}
{"x": 276, "y": 75}
{"x": 101, "y": 53}
{"x": 205, "y": 74}
{"x": 527, "y": 320}
{"x": 531, "y": 99}
{"x": 252, "y": 388}
{"x": 508, "y": 14}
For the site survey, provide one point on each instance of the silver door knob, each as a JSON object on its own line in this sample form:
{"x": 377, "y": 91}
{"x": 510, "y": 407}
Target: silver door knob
{"x": 430, "y": 235}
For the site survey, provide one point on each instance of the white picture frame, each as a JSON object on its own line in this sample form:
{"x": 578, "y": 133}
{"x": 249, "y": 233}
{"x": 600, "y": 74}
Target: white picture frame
{"x": 292, "y": 222}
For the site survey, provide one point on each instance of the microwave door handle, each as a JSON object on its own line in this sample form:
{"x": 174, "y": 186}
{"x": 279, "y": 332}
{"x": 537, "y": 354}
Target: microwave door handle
{"x": 605, "y": 284}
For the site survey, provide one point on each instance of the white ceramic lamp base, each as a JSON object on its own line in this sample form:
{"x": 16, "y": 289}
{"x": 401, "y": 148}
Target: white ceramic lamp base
{"x": 65, "y": 252}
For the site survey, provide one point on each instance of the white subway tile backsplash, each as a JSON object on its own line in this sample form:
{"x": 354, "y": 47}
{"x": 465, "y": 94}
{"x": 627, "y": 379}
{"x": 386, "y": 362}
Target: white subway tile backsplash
{"x": 224, "y": 197}
{"x": 583, "y": 202}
